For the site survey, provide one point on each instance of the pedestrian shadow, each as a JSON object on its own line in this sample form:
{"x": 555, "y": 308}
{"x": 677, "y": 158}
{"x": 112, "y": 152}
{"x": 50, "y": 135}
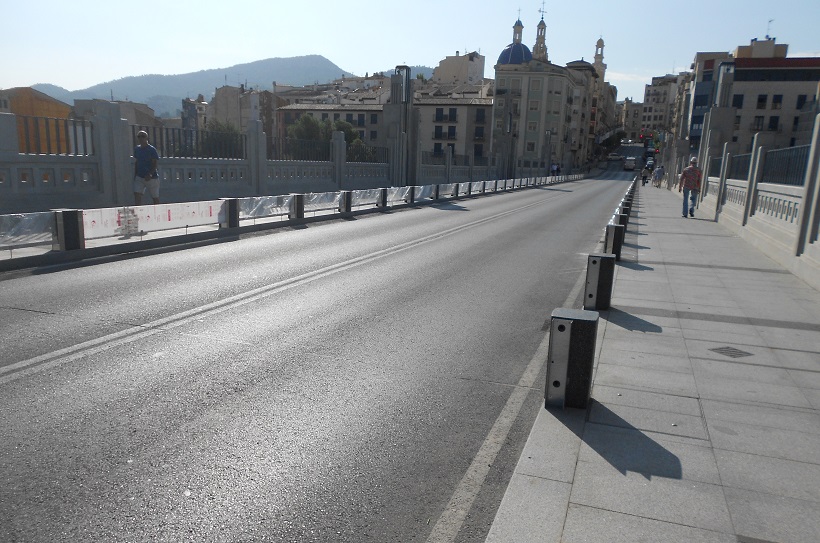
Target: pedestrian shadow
{"x": 626, "y": 448}
{"x": 631, "y": 322}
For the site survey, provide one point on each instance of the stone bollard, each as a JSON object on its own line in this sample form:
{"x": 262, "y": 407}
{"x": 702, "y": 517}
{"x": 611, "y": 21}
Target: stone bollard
{"x": 600, "y": 275}
{"x": 571, "y": 358}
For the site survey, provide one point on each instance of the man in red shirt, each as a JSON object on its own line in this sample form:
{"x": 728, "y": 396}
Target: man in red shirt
{"x": 689, "y": 184}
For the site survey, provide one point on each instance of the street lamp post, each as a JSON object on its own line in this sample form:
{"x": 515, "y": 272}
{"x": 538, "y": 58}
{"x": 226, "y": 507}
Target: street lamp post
{"x": 548, "y": 148}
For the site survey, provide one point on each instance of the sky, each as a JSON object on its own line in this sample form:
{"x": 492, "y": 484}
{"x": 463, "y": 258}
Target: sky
{"x": 85, "y": 42}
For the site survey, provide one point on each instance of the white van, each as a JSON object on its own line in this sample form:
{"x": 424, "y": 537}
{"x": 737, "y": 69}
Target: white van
{"x": 629, "y": 163}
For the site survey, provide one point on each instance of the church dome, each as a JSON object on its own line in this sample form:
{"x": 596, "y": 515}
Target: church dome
{"x": 515, "y": 53}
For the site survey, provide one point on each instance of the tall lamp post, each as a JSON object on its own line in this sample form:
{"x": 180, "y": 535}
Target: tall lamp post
{"x": 548, "y": 149}
{"x": 406, "y": 98}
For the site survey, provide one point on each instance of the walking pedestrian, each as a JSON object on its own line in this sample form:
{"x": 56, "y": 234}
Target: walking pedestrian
{"x": 145, "y": 169}
{"x": 689, "y": 184}
{"x": 657, "y": 176}
{"x": 645, "y": 173}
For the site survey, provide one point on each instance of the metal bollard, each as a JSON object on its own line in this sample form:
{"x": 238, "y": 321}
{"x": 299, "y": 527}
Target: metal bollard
{"x": 615, "y": 239}
{"x": 231, "y": 218}
{"x": 70, "y": 230}
{"x": 623, "y": 219}
{"x": 571, "y": 358}
{"x": 600, "y": 274}
{"x": 297, "y": 207}
{"x": 346, "y": 201}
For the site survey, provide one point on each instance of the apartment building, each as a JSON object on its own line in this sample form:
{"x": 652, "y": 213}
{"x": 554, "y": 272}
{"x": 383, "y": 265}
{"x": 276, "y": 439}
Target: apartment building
{"x": 630, "y": 115}
{"x": 767, "y": 91}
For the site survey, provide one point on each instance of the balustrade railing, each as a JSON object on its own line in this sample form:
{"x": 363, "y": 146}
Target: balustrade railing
{"x": 786, "y": 166}
{"x": 50, "y": 136}
{"x": 192, "y": 143}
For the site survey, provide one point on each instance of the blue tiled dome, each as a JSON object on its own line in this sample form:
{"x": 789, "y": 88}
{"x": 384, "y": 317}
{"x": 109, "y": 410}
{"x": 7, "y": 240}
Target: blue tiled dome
{"x": 515, "y": 53}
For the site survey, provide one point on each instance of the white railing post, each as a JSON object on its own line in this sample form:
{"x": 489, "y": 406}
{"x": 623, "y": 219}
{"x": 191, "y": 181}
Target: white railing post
{"x": 809, "y": 213}
{"x": 755, "y": 172}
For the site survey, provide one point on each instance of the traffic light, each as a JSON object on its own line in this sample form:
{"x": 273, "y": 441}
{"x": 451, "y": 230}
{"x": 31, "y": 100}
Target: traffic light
{"x": 657, "y": 151}
{"x": 641, "y": 137}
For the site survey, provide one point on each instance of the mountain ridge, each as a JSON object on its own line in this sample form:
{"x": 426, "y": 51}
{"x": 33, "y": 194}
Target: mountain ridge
{"x": 164, "y": 93}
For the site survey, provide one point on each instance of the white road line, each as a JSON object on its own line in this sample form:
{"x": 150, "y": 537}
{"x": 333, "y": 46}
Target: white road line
{"x": 451, "y": 520}
{"x": 37, "y": 364}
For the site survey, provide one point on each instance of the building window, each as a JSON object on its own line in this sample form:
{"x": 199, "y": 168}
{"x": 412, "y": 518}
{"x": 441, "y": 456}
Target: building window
{"x": 761, "y": 101}
{"x": 478, "y": 150}
{"x": 361, "y": 135}
{"x": 373, "y": 135}
{"x": 336, "y": 116}
{"x": 451, "y": 132}
{"x": 438, "y": 132}
{"x": 479, "y": 133}
{"x": 530, "y": 147}
{"x": 737, "y": 122}
{"x": 374, "y": 118}
{"x": 801, "y": 101}
{"x": 533, "y": 105}
{"x": 774, "y": 123}
{"x": 795, "y": 123}
{"x": 531, "y": 126}
{"x": 701, "y": 100}
{"x": 535, "y": 84}
{"x": 480, "y": 115}
{"x": 515, "y": 83}
{"x": 758, "y": 123}
{"x": 437, "y": 149}
{"x": 324, "y": 116}
{"x": 777, "y": 101}
{"x": 498, "y": 124}
{"x": 439, "y": 115}
{"x": 360, "y": 117}
{"x": 453, "y": 115}
{"x": 737, "y": 101}
{"x": 349, "y": 118}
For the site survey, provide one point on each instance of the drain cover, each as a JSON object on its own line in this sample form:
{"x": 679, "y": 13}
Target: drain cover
{"x": 731, "y": 352}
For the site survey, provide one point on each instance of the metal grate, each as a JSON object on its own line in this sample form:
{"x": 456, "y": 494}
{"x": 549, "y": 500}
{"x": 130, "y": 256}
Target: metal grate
{"x": 731, "y": 352}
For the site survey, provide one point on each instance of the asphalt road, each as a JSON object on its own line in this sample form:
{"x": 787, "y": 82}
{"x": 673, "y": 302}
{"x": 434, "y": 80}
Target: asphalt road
{"x": 356, "y": 380}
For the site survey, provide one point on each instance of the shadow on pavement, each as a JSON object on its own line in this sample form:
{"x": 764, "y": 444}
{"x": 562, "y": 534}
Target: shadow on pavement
{"x": 627, "y": 448}
{"x": 631, "y": 322}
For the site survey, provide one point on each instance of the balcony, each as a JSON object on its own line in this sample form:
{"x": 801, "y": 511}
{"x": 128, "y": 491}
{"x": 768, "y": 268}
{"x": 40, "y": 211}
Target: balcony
{"x": 444, "y": 136}
{"x": 445, "y": 118}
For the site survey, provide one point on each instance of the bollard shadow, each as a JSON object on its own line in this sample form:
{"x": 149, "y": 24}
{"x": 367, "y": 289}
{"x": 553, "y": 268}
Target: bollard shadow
{"x": 631, "y": 322}
{"x": 635, "y": 266}
{"x": 626, "y": 448}
{"x": 448, "y": 206}
{"x": 635, "y": 245}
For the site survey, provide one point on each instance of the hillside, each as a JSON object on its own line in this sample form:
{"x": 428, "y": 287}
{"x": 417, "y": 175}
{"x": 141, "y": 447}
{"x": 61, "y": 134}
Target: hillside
{"x": 164, "y": 93}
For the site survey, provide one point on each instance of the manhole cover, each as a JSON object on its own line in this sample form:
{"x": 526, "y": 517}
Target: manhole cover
{"x": 731, "y": 352}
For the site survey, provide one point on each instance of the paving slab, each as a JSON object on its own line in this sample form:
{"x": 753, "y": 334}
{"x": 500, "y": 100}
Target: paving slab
{"x": 592, "y": 525}
{"x": 704, "y": 424}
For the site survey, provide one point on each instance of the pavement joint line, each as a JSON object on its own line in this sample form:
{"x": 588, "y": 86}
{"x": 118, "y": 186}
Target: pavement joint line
{"x": 97, "y": 345}
{"x": 452, "y": 518}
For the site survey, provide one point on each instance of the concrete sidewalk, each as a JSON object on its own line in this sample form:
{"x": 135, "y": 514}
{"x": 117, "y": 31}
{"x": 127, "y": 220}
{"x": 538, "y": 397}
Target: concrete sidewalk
{"x": 705, "y": 421}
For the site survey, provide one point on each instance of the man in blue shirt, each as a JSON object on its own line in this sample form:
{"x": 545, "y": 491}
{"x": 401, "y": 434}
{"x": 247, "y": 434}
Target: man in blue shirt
{"x": 145, "y": 169}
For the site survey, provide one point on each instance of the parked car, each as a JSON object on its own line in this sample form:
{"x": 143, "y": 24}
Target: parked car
{"x": 629, "y": 163}
{"x": 614, "y": 156}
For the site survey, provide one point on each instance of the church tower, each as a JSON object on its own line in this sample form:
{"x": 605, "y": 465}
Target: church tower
{"x": 539, "y": 52}
{"x": 599, "y": 65}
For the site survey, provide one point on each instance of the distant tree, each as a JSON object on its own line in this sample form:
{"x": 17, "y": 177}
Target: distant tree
{"x": 221, "y": 140}
{"x": 306, "y": 128}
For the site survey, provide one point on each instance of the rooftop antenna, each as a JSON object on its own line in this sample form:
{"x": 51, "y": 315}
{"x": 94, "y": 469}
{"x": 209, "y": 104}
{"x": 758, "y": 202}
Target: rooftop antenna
{"x": 768, "y": 28}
